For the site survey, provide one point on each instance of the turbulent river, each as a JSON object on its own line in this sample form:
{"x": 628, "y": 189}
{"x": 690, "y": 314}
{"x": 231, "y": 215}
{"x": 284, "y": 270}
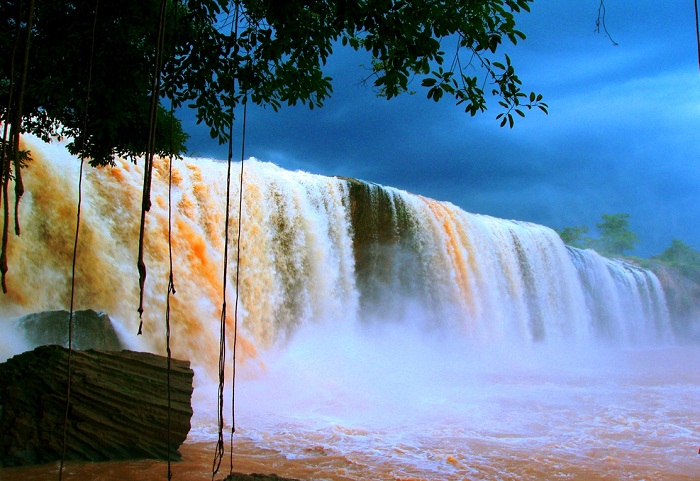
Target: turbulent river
{"x": 383, "y": 335}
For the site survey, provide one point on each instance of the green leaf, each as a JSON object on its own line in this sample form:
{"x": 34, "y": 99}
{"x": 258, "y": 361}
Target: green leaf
{"x": 277, "y": 58}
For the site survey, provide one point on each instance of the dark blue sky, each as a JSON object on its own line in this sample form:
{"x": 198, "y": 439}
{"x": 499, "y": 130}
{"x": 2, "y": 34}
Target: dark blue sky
{"x": 620, "y": 136}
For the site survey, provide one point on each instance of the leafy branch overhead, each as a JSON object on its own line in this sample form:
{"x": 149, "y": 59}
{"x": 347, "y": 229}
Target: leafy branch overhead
{"x": 405, "y": 41}
{"x": 218, "y": 52}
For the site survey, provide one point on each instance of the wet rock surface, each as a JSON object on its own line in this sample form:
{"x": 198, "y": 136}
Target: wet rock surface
{"x": 91, "y": 329}
{"x": 118, "y": 408}
{"x": 256, "y": 477}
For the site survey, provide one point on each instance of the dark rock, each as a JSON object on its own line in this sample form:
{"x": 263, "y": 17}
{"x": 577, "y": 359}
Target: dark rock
{"x": 683, "y": 300}
{"x": 255, "y": 476}
{"x": 118, "y": 408}
{"x": 91, "y": 329}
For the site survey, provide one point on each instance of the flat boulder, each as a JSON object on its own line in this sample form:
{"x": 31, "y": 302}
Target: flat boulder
{"x": 256, "y": 477}
{"x": 118, "y": 408}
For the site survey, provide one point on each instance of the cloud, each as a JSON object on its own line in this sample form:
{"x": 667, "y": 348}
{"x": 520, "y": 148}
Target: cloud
{"x": 620, "y": 137}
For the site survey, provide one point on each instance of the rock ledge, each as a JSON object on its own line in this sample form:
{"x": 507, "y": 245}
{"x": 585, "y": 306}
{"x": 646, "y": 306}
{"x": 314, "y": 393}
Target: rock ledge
{"x": 118, "y": 406}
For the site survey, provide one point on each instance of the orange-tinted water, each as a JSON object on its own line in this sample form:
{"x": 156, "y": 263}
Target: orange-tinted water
{"x": 632, "y": 415}
{"x": 319, "y": 464}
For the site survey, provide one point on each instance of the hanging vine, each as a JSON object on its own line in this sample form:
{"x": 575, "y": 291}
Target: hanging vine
{"x": 171, "y": 292}
{"x": 697, "y": 30}
{"x": 75, "y": 253}
{"x": 219, "y": 450}
{"x": 14, "y": 118}
{"x": 600, "y": 22}
{"x": 238, "y": 284}
{"x": 16, "y": 128}
{"x": 171, "y": 282}
{"x": 150, "y": 154}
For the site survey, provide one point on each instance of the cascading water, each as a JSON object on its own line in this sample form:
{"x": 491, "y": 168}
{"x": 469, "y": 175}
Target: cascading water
{"x": 626, "y": 303}
{"x": 403, "y": 335}
{"x": 495, "y": 280}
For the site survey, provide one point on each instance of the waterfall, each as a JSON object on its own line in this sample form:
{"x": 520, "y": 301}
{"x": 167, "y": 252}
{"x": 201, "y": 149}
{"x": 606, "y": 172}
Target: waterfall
{"x": 626, "y": 302}
{"x": 315, "y": 251}
{"x": 493, "y": 279}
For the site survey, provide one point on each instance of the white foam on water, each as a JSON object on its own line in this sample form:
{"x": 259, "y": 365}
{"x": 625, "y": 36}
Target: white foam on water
{"x": 434, "y": 407}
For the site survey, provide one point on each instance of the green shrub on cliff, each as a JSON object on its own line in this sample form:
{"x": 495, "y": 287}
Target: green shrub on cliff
{"x": 615, "y": 236}
{"x": 683, "y": 257}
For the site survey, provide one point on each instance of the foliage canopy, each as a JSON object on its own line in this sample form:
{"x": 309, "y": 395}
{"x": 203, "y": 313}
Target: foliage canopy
{"x": 64, "y": 57}
{"x": 273, "y": 51}
{"x": 575, "y": 236}
{"x": 615, "y": 236}
{"x": 682, "y": 257}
